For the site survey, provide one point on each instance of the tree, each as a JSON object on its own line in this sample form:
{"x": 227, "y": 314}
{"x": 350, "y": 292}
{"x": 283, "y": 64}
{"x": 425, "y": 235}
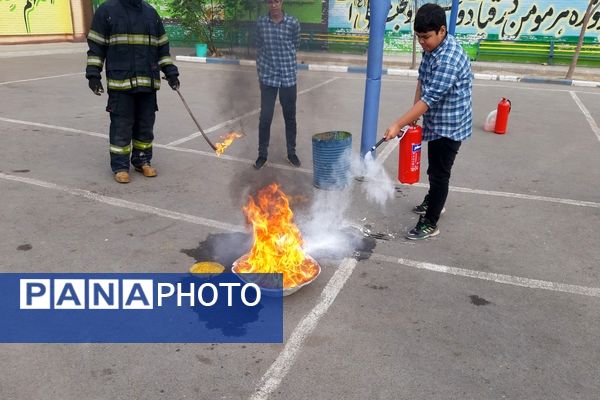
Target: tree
{"x": 591, "y": 8}
{"x": 200, "y": 18}
{"x": 233, "y": 11}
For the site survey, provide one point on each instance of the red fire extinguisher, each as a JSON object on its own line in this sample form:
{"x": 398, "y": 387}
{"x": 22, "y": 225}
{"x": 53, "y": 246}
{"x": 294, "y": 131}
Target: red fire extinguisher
{"x": 409, "y": 156}
{"x": 502, "y": 116}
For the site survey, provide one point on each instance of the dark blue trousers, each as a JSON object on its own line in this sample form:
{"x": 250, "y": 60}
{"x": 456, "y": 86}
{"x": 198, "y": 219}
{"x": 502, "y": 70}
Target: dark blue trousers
{"x": 287, "y": 98}
{"x": 440, "y": 155}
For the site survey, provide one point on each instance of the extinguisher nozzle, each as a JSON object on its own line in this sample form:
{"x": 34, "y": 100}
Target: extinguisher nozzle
{"x": 377, "y": 144}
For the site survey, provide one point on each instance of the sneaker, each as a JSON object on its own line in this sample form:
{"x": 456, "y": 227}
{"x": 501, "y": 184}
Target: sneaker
{"x": 421, "y": 209}
{"x": 122, "y": 177}
{"x": 260, "y": 162}
{"x": 294, "y": 160}
{"x": 147, "y": 170}
{"x": 424, "y": 229}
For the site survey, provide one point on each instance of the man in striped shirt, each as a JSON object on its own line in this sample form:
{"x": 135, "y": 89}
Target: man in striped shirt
{"x": 277, "y": 39}
{"x": 128, "y": 37}
{"x": 443, "y": 98}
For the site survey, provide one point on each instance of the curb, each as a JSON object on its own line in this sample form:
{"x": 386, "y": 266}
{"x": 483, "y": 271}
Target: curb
{"x": 394, "y": 71}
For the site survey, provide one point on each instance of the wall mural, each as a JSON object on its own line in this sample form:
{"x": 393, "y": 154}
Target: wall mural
{"x": 35, "y": 17}
{"x": 500, "y": 19}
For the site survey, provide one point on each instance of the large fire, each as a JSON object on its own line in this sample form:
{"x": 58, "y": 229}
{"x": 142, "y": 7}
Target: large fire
{"x": 277, "y": 246}
{"x": 227, "y": 140}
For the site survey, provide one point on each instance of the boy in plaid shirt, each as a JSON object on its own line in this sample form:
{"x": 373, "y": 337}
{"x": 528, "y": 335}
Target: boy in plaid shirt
{"x": 277, "y": 39}
{"x": 443, "y": 98}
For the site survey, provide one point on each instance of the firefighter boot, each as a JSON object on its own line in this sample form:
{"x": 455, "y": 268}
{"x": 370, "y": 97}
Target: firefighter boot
{"x": 147, "y": 170}
{"x": 122, "y": 177}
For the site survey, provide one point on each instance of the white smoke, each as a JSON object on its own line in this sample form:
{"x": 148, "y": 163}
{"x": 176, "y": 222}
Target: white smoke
{"x": 377, "y": 186}
{"x": 325, "y": 229}
{"x": 322, "y": 227}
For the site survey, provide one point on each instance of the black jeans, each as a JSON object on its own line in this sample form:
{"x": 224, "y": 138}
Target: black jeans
{"x": 132, "y": 117}
{"x": 287, "y": 98}
{"x": 440, "y": 154}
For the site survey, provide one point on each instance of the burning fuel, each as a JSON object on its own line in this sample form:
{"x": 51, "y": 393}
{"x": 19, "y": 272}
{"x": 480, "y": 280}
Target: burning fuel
{"x": 277, "y": 246}
{"x": 227, "y": 141}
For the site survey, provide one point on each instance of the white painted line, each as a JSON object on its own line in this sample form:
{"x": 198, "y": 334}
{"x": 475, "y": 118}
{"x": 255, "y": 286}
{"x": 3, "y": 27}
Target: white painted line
{"x": 160, "y": 146}
{"x": 557, "y": 200}
{"x": 509, "y": 78}
{"x": 318, "y": 85}
{"x": 250, "y": 63}
{"x": 539, "y": 88}
{"x": 317, "y": 67}
{"x": 246, "y": 115}
{"x": 278, "y": 369}
{"x": 521, "y": 196}
{"x": 587, "y": 114}
{"x": 126, "y": 204}
{"x": 499, "y": 85}
{"x": 485, "y": 77}
{"x": 191, "y": 59}
{"x": 488, "y": 276}
{"x": 214, "y": 128}
{"x": 585, "y": 83}
{"x": 58, "y": 128}
{"x": 41, "y": 78}
{"x": 31, "y": 53}
{"x": 397, "y": 72}
{"x": 232, "y": 158}
{"x": 385, "y": 153}
{"x": 337, "y": 68}
{"x": 282, "y": 365}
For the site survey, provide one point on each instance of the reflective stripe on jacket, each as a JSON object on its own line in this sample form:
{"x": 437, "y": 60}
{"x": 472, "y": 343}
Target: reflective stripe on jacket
{"x": 129, "y": 39}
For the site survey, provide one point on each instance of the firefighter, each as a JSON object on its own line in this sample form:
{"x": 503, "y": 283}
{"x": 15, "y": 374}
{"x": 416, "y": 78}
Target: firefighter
{"x": 128, "y": 37}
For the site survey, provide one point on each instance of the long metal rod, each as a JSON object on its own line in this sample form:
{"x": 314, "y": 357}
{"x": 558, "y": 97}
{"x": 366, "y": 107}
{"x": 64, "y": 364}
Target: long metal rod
{"x": 197, "y": 124}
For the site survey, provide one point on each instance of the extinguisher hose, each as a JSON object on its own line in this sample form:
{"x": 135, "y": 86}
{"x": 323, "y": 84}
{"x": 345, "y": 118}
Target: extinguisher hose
{"x": 377, "y": 144}
{"x": 402, "y": 131}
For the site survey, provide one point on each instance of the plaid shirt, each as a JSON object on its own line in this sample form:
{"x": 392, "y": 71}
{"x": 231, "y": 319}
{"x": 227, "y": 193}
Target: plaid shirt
{"x": 446, "y": 82}
{"x": 276, "y": 45}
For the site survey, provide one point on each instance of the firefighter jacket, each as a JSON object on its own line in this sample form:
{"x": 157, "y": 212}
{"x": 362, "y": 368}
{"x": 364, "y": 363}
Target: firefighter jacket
{"x": 128, "y": 37}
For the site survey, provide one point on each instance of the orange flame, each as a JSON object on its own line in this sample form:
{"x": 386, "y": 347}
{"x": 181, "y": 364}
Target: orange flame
{"x": 277, "y": 246}
{"x": 231, "y": 136}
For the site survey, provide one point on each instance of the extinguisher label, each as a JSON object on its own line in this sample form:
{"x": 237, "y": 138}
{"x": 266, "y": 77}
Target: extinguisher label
{"x": 416, "y": 147}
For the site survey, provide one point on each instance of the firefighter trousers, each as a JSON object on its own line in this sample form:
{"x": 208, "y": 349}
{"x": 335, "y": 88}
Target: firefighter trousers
{"x": 132, "y": 117}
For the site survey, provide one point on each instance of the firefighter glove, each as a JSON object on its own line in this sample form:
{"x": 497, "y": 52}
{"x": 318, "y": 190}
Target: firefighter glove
{"x": 96, "y": 85}
{"x": 173, "y": 82}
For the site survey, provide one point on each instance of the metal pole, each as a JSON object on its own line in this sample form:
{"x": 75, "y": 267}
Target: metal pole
{"x": 379, "y": 10}
{"x": 196, "y": 121}
{"x": 453, "y": 16}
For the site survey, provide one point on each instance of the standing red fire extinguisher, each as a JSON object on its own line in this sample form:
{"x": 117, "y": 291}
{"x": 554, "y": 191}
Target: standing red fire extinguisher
{"x": 502, "y": 116}
{"x": 409, "y": 155}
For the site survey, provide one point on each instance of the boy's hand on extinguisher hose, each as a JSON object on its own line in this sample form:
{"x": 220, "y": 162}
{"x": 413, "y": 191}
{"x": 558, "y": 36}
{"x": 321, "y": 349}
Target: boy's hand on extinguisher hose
{"x": 392, "y": 132}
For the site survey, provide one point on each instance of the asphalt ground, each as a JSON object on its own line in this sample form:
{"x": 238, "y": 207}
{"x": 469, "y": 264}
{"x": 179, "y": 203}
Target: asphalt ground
{"x": 504, "y": 303}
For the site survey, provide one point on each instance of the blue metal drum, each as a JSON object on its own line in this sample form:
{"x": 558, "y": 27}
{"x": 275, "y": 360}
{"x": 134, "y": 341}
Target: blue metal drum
{"x": 332, "y": 158}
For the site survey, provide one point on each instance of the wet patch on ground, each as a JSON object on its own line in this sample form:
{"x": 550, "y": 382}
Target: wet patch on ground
{"x": 223, "y": 248}
{"x": 478, "y": 301}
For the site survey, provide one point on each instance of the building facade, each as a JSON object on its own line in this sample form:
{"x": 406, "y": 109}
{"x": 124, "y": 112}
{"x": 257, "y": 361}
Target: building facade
{"x": 23, "y": 21}
{"x": 38, "y": 21}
